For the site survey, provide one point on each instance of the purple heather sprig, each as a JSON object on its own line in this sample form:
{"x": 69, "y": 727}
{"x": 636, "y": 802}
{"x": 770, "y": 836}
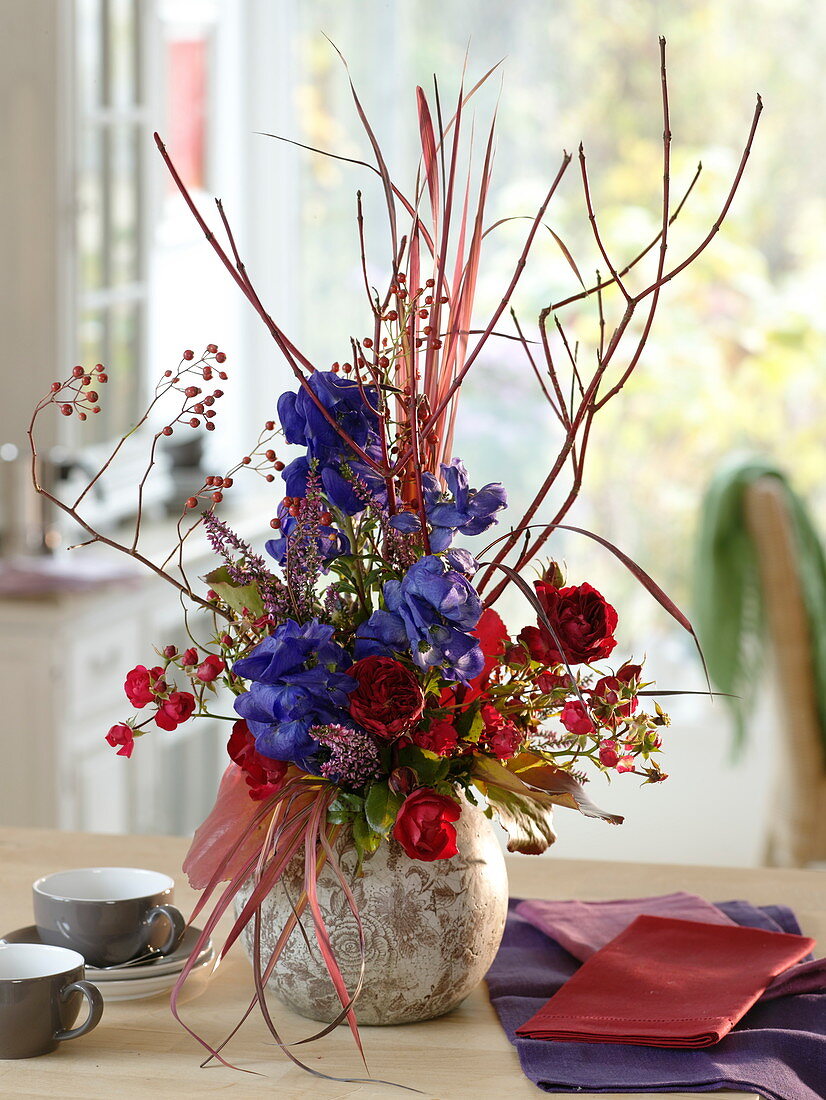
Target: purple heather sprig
{"x": 304, "y": 562}
{"x": 250, "y": 569}
{"x": 401, "y": 550}
{"x": 354, "y": 755}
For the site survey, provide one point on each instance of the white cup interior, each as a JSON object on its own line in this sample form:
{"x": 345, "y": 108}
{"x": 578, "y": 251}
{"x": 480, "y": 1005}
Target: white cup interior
{"x": 103, "y": 884}
{"x": 19, "y": 961}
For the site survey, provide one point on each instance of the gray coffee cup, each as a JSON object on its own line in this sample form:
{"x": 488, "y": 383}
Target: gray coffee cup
{"x": 111, "y": 915}
{"x": 41, "y": 991}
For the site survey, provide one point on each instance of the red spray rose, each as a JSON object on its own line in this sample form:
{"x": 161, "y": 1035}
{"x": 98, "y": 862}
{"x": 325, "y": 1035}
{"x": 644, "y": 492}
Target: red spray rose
{"x": 139, "y": 684}
{"x": 176, "y": 709}
{"x": 264, "y": 775}
{"x": 550, "y": 681}
{"x": 121, "y": 735}
{"x": 575, "y": 718}
{"x": 440, "y": 737}
{"x": 583, "y": 620}
{"x": 423, "y": 825}
{"x": 608, "y": 755}
{"x": 629, "y": 673}
{"x": 210, "y": 669}
{"x": 501, "y": 737}
{"x": 388, "y": 698}
{"x": 606, "y": 693}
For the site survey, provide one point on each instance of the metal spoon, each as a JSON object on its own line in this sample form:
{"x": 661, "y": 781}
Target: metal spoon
{"x": 140, "y": 960}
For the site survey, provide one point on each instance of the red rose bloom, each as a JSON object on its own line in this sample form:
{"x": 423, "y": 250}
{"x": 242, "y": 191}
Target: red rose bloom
{"x": 440, "y": 737}
{"x": 174, "y": 710}
{"x": 121, "y": 735}
{"x": 584, "y": 623}
{"x": 139, "y": 683}
{"x": 190, "y": 657}
{"x": 388, "y": 698}
{"x": 423, "y": 825}
{"x": 264, "y": 775}
{"x": 575, "y": 718}
{"x": 210, "y": 669}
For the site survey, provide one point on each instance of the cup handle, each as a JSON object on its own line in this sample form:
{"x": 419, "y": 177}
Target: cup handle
{"x": 95, "y": 1001}
{"x": 177, "y": 925}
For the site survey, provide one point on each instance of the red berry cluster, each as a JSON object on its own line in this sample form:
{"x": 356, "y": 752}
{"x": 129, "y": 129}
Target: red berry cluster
{"x": 419, "y": 307}
{"x": 197, "y": 407}
{"x": 262, "y": 461}
{"x": 82, "y": 399}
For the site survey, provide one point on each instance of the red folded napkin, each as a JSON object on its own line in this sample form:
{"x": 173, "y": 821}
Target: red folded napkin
{"x": 667, "y": 983}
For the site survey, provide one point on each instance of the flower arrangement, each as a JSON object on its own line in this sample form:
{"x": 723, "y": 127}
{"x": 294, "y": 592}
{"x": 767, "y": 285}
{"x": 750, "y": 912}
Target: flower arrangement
{"x": 375, "y": 687}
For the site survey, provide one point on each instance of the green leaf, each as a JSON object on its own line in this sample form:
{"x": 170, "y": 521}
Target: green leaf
{"x": 338, "y": 815}
{"x": 469, "y": 724}
{"x": 236, "y": 596}
{"x": 351, "y": 801}
{"x": 427, "y": 765}
{"x": 366, "y": 841}
{"x": 381, "y": 806}
{"x": 476, "y": 727}
{"x": 347, "y": 805}
{"x": 445, "y": 787}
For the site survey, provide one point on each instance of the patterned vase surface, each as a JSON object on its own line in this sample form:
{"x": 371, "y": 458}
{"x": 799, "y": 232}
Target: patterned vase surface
{"x": 431, "y": 929}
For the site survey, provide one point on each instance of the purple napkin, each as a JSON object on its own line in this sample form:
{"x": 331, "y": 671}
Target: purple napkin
{"x": 778, "y": 1049}
{"x": 583, "y": 927}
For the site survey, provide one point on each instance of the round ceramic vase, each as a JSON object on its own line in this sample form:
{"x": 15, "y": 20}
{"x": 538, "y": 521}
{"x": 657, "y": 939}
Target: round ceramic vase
{"x": 431, "y": 930}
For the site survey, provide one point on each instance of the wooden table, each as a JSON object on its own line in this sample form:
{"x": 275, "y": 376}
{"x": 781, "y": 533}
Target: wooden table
{"x": 139, "y": 1050}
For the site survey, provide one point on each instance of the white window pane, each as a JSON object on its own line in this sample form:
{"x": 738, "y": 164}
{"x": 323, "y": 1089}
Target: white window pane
{"x": 91, "y": 223}
{"x": 89, "y": 67}
{"x": 123, "y": 391}
{"x": 124, "y": 191}
{"x": 124, "y": 52}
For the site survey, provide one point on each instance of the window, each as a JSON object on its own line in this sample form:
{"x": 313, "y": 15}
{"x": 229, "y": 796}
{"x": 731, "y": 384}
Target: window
{"x": 112, "y": 141}
{"x": 143, "y": 291}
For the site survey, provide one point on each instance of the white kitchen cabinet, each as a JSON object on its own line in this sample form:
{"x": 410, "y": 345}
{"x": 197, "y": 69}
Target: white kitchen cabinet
{"x": 63, "y": 659}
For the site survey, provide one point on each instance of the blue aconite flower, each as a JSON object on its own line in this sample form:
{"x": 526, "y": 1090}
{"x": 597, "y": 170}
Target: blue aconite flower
{"x": 330, "y": 542}
{"x": 299, "y": 680}
{"x": 458, "y": 509}
{"x": 353, "y": 408}
{"x": 430, "y": 613}
{"x": 343, "y": 398}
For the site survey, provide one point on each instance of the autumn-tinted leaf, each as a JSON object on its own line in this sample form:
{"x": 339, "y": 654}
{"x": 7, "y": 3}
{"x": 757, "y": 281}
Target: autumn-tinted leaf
{"x": 528, "y": 824}
{"x": 560, "y": 786}
{"x": 236, "y": 596}
{"x": 545, "y": 784}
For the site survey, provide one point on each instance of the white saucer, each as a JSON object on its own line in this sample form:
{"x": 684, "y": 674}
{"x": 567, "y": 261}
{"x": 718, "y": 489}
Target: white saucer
{"x": 164, "y": 965}
{"x": 137, "y": 987}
